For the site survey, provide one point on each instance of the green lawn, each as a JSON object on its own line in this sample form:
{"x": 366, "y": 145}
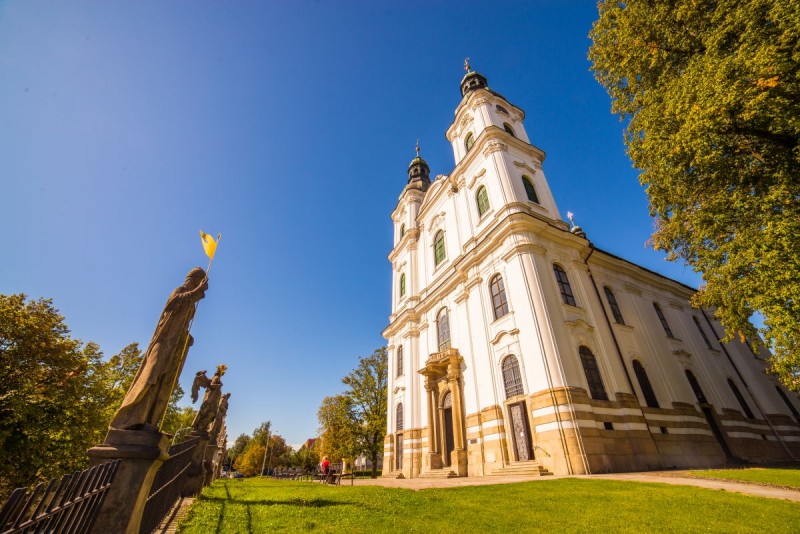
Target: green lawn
{"x": 572, "y": 505}
{"x": 789, "y": 477}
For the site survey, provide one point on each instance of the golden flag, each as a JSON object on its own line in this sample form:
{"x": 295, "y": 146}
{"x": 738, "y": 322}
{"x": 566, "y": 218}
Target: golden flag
{"x": 209, "y": 244}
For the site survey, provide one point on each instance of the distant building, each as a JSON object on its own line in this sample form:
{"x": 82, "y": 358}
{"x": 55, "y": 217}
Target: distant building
{"x": 516, "y": 346}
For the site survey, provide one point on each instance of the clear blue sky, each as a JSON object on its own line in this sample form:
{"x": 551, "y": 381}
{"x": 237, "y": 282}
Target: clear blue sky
{"x": 288, "y": 127}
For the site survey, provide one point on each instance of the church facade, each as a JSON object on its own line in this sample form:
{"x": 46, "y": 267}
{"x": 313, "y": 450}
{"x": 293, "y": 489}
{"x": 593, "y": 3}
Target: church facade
{"x": 517, "y": 346}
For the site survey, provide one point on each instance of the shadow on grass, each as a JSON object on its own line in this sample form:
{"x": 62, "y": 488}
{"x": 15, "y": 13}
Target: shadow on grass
{"x": 302, "y": 503}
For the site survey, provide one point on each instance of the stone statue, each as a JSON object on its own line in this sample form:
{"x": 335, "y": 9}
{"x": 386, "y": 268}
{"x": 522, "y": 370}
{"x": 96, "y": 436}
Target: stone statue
{"x": 211, "y": 400}
{"x": 219, "y": 419}
{"x": 146, "y": 401}
{"x": 200, "y": 380}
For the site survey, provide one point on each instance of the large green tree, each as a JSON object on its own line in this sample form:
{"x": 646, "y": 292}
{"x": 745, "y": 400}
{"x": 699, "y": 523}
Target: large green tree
{"x": 367, "y": 392}
{"x": 57, "y": 395}
{"x": 355, "y": 422}
{"x": 338, "y": 428}
{"x": 710, "y": 90}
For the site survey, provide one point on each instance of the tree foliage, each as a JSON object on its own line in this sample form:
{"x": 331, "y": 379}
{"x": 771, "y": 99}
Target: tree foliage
{"x": 338, "y": 428}
{"x": 248, "y": 453}
{"x": 57, "y": 395}
{"x": 710, "y": 90}
{"x": 354, "y": 422}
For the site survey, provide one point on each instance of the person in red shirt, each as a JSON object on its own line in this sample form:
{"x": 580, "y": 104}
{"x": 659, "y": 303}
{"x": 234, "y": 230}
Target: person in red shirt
{"x": 325, "y": 465}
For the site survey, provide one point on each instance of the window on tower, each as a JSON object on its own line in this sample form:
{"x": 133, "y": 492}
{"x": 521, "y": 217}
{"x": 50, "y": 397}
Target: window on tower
{"x": 399, "y": 361}
{"x": 612, "y": 303}
{"x": 439, "y": 252}
{"x": 563, "y": 285}
{"x": 482, "y": 199}
{"x": 529, "y": 189}
{"x": 402, "y": 285}
{"x": 498, "y": 290}
{"x": 644, "y": 383}
{"x": 507, "y": 127}
{"x": 402, "y": 230}
{"x": 469, "y": 141}
{"x": 596, "y": 389}
{"x": 512, "y": 378}
{"x": 664, "y": 323}
{"x": 738, "y": 394}
{"x": 501, "y": 109}
{"x": 443, "y": 329}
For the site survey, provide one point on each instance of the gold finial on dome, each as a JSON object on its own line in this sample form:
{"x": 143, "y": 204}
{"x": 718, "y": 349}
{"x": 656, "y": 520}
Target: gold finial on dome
{"x": 417, "y": 147}
{"x": 466, "y": 64}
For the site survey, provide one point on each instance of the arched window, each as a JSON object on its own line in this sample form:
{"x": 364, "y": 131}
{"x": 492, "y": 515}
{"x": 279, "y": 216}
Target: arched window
{"x": 663, "y": 320}
{"x": 507, "y": 127}
{"x": 512, "y": 378}
{"x": 399, "y": 417}
{"x": 563, "y": 285}
{"x": 402, "y": 230}
{"x": 439, "y": 252}
{"x": 501, "y": 109}
{"x": 482, "y": 198}
{"x": 612, "y": 303}
{"x": 469, "y": 141}
{"x": 596, "y": 389}
{"x": 702, "y": 332}
{"x": 788, "y": 403}
{"x": 698, "y": 392}
{"x": 443, "y": 329}
{"x": 499, "y": 302}
{"x": 742, "y": 403}
{"x": 644, "y": 383}
{"x": 529, "y": 189}
{"x": 402, "y": 284}
{"x": 399, "y": 361}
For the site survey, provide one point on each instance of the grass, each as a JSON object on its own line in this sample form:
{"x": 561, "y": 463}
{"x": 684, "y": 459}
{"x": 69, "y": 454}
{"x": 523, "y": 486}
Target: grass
{"x": 788, "y": 477}
{"x": 572, "y": 505}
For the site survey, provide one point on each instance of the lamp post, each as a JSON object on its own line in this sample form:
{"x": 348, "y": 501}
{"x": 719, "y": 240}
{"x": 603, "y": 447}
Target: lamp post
{"x": 264, "y": 461}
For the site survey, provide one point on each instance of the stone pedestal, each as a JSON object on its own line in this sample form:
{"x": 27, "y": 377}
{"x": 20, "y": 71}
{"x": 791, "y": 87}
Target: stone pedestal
{"x": 196, "y": 474}
{"x": 141, "y": 453}
{"x": 209, "y": 467}
{"x": 458, "y": 462}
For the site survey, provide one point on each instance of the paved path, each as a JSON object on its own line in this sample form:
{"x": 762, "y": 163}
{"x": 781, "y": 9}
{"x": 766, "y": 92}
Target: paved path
{"x": 663, "y": 478}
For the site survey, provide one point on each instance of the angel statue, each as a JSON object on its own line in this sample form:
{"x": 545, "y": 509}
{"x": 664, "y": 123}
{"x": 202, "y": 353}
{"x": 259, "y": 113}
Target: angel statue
{"x": 211, "y": 399}
{"x": 200, "y": 380}
{"x": 146, "y": 401}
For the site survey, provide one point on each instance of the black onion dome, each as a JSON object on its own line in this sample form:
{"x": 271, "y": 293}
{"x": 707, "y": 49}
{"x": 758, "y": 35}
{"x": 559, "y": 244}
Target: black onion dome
{"x": 473, "y": 81}
{"x": 419, "y": 174}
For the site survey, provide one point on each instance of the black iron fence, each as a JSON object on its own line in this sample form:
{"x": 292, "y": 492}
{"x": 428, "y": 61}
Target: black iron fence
{"x": 68, "y": 506}
{"x": 168, "y": 484}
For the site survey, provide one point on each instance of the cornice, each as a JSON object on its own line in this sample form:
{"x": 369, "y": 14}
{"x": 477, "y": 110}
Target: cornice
{"x": 466, "y": 105}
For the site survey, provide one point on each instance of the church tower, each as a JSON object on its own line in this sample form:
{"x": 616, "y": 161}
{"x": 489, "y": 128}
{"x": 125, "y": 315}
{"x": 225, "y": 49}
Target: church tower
{"x": 518, "y": 347}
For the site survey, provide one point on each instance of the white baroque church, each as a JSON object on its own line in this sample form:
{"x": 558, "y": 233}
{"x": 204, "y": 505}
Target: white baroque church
{"x": 517, "y": 346}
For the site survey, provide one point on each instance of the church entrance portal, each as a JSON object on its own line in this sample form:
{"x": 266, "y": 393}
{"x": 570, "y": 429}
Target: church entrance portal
{"x": 523, "y": 450}
{"x": 446, "y": 419}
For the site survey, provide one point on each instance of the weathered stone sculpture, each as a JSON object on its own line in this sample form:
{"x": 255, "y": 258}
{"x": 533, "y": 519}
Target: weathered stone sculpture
{"x": 133, "y": 436}
{"x": 205, "y": 415}
{"x": 146, "y": 401}
{"x": 219, "y": 419}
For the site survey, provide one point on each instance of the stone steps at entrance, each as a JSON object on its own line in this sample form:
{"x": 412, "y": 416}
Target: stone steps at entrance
{"x": 520, "y": 469}
{"x": 439, "y": 473}
{"x": 393, "y": 474}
